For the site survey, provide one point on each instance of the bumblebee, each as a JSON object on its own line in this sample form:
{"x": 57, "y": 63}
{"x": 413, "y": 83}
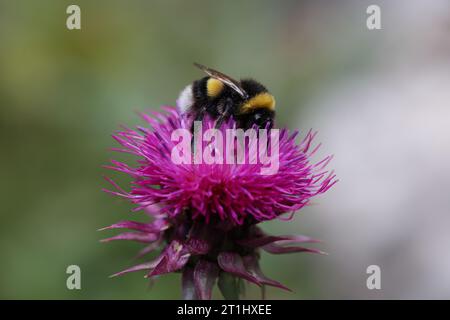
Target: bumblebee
{"x": 219, "y": 96}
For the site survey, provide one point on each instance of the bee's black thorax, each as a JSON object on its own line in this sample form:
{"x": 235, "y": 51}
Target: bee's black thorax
{"x": 252, "y": 87}
{"x": 227, "y": 102}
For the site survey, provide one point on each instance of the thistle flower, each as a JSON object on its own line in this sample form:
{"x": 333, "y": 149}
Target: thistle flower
{"x": 205, "y": 217}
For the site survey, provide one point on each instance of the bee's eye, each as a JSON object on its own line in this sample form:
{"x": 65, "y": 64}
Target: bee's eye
{"x": 259, "y": 119}
{"x": 262, "y": 120}
{"x": 214, "y": 87}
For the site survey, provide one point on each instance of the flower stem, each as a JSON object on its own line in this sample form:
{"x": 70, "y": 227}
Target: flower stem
{"x": 229, "y": 286}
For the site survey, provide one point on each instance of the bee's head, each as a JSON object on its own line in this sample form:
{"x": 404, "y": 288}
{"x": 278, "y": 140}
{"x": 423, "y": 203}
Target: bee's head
{"x": 259, "y": 108}
{"x": 261, "y": 118}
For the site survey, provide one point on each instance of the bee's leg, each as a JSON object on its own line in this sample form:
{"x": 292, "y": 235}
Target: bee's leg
{"x": 198, "y": 117}
{"x": 227, "y": 111}
{"x": 220, "y": 120}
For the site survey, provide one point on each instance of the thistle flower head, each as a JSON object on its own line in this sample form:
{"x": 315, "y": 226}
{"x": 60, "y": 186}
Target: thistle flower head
{"x": 204, "y": 208}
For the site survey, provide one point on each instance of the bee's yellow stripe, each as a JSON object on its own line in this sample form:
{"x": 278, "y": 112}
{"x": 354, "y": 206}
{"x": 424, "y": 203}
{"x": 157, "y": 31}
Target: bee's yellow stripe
{"x": 262, "y": 100}
{"x": 214, "y": 87}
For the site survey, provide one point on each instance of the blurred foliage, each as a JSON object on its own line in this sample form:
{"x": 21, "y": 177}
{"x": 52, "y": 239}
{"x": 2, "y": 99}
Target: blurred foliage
{"x": 62, "y": 94}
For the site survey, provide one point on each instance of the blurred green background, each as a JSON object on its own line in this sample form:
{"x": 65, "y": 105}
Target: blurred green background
{"x": 63, "y": 92}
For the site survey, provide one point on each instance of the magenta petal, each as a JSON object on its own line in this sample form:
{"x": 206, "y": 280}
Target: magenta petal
{"x": 232, "y": 263}
{"x": 157, "y": 226}
{"x": 160, "y": 268}
{"x": 174, "y": 258}
{"x": 144, "y": 266}
{"x": 205, "y": 275}
{"x": 258, "y": 242}
{"x": 275, "y": 249}
{"x": 266, "y": 239}
{"x": 151, "y": 247}
{"x": 134, "y": 236}
{"x": 187, "y": 284}
{"x": 153, "y": 210}
{"x": 297, "y": 239}
{"x": 252, "y": 265}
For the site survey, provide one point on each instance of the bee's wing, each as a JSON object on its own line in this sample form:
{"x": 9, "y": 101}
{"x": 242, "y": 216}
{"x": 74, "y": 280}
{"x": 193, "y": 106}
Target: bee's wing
{"x": 233, "y": 84}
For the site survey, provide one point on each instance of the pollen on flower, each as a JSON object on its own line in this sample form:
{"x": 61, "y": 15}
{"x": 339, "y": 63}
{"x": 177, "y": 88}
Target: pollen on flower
{"x": 205, "y": 216}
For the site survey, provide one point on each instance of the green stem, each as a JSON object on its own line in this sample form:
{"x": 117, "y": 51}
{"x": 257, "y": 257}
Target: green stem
{"x": 229, "y": 286}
